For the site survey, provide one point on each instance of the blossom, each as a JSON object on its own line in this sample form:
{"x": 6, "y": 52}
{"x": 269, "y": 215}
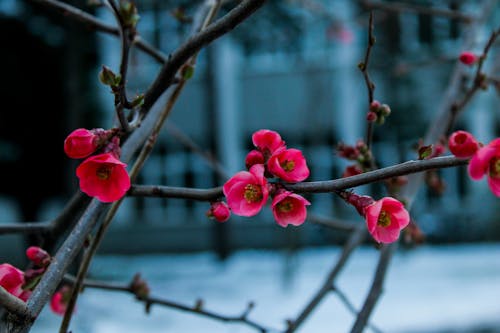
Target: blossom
{"x": 289, "y": 208}
{"x": 267, "y": 141}
{"x": 462, "y": 144}
{"x": 487, "y": 161}
{"x": 12, "y": 280}
{"x": 38, "y": 256}
{"x": 60, "y": 299}
{"x": 103, "y": 176}
{"x": 246, "y": 192}
{"x": 385, "y": 218}
{"x": 289, "y": 165}
{"x": 468, "y": 58}
{"x": 219, "y": 211}
{"x": 254, "y": 157}
{"x": 80, "y": 143}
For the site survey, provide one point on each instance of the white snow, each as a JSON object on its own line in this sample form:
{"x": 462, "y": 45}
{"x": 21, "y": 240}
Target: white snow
{"x": 427, "y": 289}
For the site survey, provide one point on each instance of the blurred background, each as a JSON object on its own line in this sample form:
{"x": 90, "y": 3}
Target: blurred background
{"x": 291, "y": 68}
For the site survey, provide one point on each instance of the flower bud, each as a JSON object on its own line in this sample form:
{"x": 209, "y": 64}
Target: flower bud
{"x": 371, "y": 116}
{"x": 468, "y": 58}
{"x": 254, "y": 157}
{"x": 384, "y": 110}
{"x": 80, "y": 143}
{"x": 374, "y": 106}
{"x": 219, "y": 211}
{"x": 38, "y": 256}
{"x": 462, "y": 144}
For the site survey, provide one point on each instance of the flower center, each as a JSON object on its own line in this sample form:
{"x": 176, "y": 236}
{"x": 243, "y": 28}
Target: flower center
{"x": 285, "y": 206}
{"x": 495, "y": 167}
{"x": 253, "y": 193}
{"x": 103, "y": 172}
{"x": 288, "y": 165}
{"x": 384, "y": 220}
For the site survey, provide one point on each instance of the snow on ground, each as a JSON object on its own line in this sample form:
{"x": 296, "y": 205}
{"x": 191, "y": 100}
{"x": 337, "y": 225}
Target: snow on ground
{"x": 428, "y": 289}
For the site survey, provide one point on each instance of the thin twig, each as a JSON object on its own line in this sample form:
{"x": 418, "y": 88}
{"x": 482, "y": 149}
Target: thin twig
{"x": 11, "y": 303}
{"x": 375, "y": 289}
{"x": 98, "y": 25}
{"x": 355, "y": 239}
{"x": 363, "y": 67}
{"x": 150, "y": 300}
{"x": 331, "y": 223}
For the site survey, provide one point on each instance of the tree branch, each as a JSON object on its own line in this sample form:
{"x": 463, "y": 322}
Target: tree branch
{"x": 11, "y": 303}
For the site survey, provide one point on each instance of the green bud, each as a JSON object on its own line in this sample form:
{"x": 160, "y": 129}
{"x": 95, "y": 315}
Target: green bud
{"x": 424, "y": 152}
{"x": 187, "y": 72}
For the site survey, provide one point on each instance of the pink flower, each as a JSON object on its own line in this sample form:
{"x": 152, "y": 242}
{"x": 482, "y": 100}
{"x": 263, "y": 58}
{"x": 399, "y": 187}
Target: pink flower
{"x": 38, "y": 256}
{"x": 487, "y": 161}
{"x": 60, "y": 299}
{"x": 12, "y": 280}
{"x": 219, "y": 211}
{"x": 80, "y": 143}
{"x": 254, "y": 157}
{"x": 267, "y": 141}
{"x": 468, "y": 58}
{"x": 247, "y": 192}
{"x": 289, "y": 208}
{"x": 385, "y": 218}
{"x": 462, "y": 144}
{"x": 103, "y": 176}
{"x": 289, "y": 165}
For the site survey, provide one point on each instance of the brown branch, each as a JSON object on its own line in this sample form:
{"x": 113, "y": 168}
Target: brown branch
{"x": 193, "y": 45}
{"x": 11, "y": 303}
{"x": 399, "y": 7}
{"x": 355, "y": 239}
{"x": 326, "y": 186}
{"x": 150, "y": 300}
{"x": 375, "y": 289}
{"x": 93, "y": 23}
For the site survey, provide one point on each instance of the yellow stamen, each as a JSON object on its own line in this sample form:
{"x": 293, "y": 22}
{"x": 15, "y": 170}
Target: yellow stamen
{"x": 384, "y": 219}
{"x": 285, "y": 206}
{"x": 253, "y": 193}
{"x": 495, "y": 167}
{"x": 103, "y": 172}
{"x": 288, "y": 165}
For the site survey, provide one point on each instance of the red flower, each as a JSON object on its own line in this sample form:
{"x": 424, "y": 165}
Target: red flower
{"x": 246, "y": 192}
{"x": 60, "y": 299}
{"x": 219, "y": 211}
{"x": 80, "y": 143}
{"x": 462, "y": 144}
{"x": 289, "y": 208}
{"x": 487, "y": 161}
{"x": 385, "y": 218}
{"x": 267, "y": 141}
{"x": 12, "y": 280}
{"x": 103, "y": 176}
{"x": 38, "y": 256}
{"x": 468, "y": 58}
{"x": 289, "y": 165}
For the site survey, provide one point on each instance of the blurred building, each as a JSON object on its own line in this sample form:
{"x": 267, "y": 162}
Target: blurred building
{"x": 291, "y": 68}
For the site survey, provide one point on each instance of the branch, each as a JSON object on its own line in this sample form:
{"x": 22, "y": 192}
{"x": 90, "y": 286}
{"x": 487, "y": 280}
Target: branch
{"x": 355, "y": 239}
{"x": 375, "y": 289}
{"x": 149, "y": 301}
{"x": 193, "y": 45}
{"x": 399, "y": 7}
{"x": 326, "y": 186}
{"x": 98, "y": 25}
{"x": 11, "y": 303}
{"x": 331, "y": 223}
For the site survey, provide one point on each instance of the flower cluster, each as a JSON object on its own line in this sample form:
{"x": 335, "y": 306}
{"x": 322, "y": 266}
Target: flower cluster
{"x": 19, "y": 283}
{"x": 484, "y": 160}
{"x": 102, "y": 175}
{"x": 358, "y": 153}
{"x": 385, "y": 218}
{"x": 248, "y": 191}
{"x": 378, "y": 112}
